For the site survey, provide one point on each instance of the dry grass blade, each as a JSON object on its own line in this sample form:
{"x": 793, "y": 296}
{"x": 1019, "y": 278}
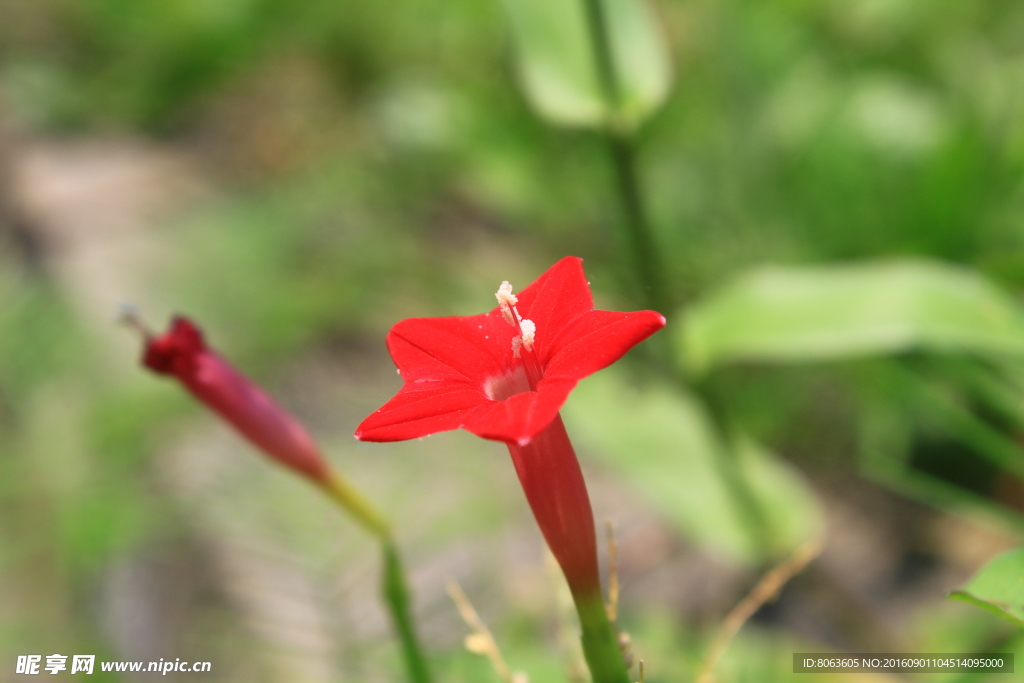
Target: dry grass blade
{"x": 766, "y": 589}
{"x": 480, "y": 641}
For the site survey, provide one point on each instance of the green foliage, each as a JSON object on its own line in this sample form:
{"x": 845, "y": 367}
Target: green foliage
{"x": 932, "y": 436}
{"x": 38, "y": 335}
{"x": 663, "y": 444}
{"x": 998, "y": 587}
{"x": 795, "y": 314}
{"x": 405, "y": 170}
{"x": 277, "y": 269}
{"x": 561, "y": 74}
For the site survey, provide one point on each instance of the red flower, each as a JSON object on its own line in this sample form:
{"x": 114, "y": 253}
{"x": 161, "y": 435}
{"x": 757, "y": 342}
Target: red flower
{"x": 182, "y": 352}
{"x": 463, "y": 371}
{"x": 504, "y": 375}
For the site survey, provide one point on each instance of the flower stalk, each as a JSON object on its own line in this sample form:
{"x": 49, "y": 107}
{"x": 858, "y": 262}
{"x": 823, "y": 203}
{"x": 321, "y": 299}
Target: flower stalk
{"x": 621, "y": 141}
{"x": 348, "y": 497}
{"x": 182, "y": 353}
{"x": 396, "y": 596}
{"x": 648, "y": 268}
{"x": 550, "y": 475}
{"x": 394, "y": 587}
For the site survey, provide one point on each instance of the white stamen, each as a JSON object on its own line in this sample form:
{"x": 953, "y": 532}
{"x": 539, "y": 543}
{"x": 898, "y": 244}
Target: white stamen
{"x": 505, "y": 295}
{"x": 529, "y": 331}
{"x": 506, "y": 300}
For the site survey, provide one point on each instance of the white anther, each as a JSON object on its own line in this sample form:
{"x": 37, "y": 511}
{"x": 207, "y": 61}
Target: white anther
{"x": 506, "y": 300}
{"x": 529, "y": 331}
{"x": 517, "y": 342}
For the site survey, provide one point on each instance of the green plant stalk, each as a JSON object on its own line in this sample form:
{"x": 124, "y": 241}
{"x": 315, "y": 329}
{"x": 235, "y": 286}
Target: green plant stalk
{"x": 622, "y": 147}
{"x": 597, "y": 25}
{"x": 727, "y": 463}
{"x": 648, "y": 268}
{"x": 394, "y": 585}
{"x": 646, "y": 263}
{"x": 396, "y": 595}
{"x": 600, "y": 641}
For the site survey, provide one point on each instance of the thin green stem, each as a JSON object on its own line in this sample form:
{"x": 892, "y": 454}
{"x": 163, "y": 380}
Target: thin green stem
{"x": 600, "y": 41}
{"x": 600, "y": 641}
{"x": 647, "y": 265}
{"x": 394, "y": 585}
{"x": 396, "y": 595}
{"x": 348, "y": 497}
{"x": 648, "y": 268}
{"x": 749, "y": 507}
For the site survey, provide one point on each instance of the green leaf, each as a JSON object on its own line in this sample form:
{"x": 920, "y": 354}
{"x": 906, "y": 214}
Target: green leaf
{"x": 559, "y": 70}
{"x": 998, "y": 587}
{"x": 794, "y": 314}
{"x": 921, "y": 437}
{"x": 662, "y": 443}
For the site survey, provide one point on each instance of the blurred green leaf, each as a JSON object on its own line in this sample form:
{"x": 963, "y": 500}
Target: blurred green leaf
{"x": 662, "y": 443}
{"x": 998, "y": 587}
{"x": 926, "y": 439}
{"x": 829, "y": 312}
{"x": 559, "y": 68}
{"x": 945, "y": 411}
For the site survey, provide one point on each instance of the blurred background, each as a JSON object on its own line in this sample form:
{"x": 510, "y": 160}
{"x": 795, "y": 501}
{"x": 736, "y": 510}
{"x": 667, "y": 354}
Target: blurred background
{"x": 834, "y": 188}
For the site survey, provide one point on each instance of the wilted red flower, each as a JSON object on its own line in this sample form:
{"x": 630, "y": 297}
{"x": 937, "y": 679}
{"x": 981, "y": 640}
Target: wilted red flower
{"x": 182, "y": 352}
{"x": 504, "y": 375}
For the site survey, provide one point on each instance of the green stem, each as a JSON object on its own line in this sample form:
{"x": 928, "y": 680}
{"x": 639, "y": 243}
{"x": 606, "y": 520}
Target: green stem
{"x": 646, "y": 264}
{"x": 751, "y": 511}
{"x": 396, "y": 595}
{"x": 600, "y": 641}
{"x": 355, "y": 504}
{"x": 600, "y": 41}
{"x": 395, "y": 588}
{"x": 648, "y": 268}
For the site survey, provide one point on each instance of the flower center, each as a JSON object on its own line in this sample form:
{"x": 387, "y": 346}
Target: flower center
{"x": 523, "y": 342}
{"x": 527, "y": 330}
{"x": 508, "y": 385}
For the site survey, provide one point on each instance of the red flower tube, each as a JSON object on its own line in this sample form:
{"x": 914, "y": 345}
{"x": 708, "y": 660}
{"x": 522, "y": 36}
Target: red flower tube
{"x": 504, "y": 375}
{"x": 182, "y": 352}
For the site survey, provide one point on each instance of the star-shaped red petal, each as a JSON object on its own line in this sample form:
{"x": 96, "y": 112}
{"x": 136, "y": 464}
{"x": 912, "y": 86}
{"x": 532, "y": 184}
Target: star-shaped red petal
{"x": 463, "y": 372}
